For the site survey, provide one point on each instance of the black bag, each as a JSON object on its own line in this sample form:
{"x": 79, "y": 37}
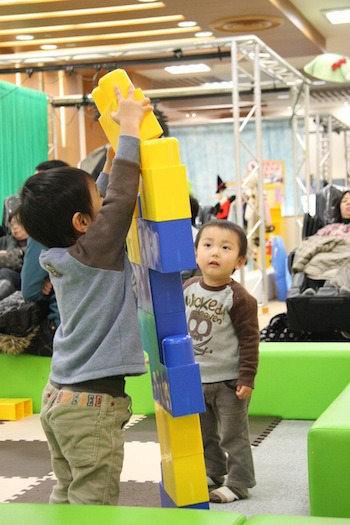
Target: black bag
{"x": 278, "y": 331}
{"x": 18, "y": 317}
{"x": 24, "y": 327}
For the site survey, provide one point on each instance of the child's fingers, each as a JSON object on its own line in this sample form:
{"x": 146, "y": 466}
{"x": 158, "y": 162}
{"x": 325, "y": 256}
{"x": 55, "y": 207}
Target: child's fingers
{"x": 131, "y": 90}
{"x": 117, "y": 92}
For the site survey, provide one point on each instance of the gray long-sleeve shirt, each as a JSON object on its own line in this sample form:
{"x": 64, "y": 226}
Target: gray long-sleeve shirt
{"x": 98, "y": 336}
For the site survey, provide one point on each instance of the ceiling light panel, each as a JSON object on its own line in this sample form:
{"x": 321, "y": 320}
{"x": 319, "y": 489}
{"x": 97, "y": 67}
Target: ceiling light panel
{"x": 187, "y": 68}
{"x": 79, "y": 12}
{"x": 99, "y": 37}
{"x": 96, "y": 25}
{"x": 338, "y": 16}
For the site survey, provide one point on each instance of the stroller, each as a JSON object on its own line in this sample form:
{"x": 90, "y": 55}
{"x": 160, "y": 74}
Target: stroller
{"x": 316, "y": 306}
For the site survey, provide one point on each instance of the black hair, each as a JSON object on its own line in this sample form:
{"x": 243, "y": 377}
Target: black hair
{"x": 12, "y": 214}
{"x": 337, "y": 214}
{"x": 48, "y": 202}
{"x": 194, "y": 209}
{"x": 226, "y": 225}
{"x": 49, "y": 164}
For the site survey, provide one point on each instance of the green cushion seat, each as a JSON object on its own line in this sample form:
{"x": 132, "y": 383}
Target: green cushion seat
{"x": 299, "y": 380}
{"x": 329, "y": 460}
{"x": 45, "y": 514}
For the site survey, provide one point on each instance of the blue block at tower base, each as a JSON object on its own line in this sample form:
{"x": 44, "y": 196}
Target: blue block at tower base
{"x": 167, "y": 502}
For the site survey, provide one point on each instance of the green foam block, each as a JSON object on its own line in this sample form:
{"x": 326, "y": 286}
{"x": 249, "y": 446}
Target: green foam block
{"x": 299, "y": 380}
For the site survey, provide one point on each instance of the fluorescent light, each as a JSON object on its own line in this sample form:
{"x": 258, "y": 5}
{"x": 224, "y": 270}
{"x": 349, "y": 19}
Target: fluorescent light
{"x": 18, "y": 2}
{"x": 106, "y": 36}
{"x": 96, "y": 25}
{"x": 80, "y": 12}
{"x": 338, "y": 16}
{"x": 203, "y": 34}
{"x": 88, "y": 56}
{"x": 187, "y": 23}
{"x": 24, "y": 37}
{"x": 35, "y": 60}
{"x": 47, "y": 47}
{"x": 187, "y": 68}
{"x": 221, "y": 84}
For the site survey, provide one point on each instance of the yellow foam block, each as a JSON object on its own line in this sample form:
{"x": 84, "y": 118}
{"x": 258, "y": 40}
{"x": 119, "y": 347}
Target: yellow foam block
{"x": 185, "y": 480}
{"x": 150, "y": 127}
{"x": 110, "y": 127}
{"x": 133, "y": 244}
{"x": 178, "y": 436}
{"x": 99, "y": 99}
{"x": 160, "y": 152}
{"x": 164, "y": 194}
{"x": 12, "y": 409}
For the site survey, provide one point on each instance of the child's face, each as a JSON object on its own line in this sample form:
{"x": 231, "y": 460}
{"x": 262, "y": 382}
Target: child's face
{"x": 218, "y": 255}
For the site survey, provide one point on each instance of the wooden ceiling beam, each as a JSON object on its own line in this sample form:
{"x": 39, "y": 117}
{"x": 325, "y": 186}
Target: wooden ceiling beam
{"x": 289, "y": 11}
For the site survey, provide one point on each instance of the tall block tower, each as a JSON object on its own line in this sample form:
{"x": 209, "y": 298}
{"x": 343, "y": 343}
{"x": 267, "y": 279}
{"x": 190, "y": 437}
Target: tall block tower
{"x": 160, "y": 246}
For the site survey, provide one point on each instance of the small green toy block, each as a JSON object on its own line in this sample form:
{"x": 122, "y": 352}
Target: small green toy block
{"x": 16, "y": 408}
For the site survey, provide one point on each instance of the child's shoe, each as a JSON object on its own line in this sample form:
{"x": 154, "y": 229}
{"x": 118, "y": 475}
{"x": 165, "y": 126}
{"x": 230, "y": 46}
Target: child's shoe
{"x": 226, "y": 494}
{"x": 214, "y": 483}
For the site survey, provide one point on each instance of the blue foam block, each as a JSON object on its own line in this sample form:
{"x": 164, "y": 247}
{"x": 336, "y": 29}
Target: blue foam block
{"x": 167, "y": 246}
{"x": 144, "y": 295}
{"x": 169, "y": 324}
{"x": 179, "y": 390}
{"x": 204, "y": 505}
{"x": 167, "y": 292}
{"x": 168, "y": 503}
{"x": 165, "y": 500}
{"x": 178, "y": 350}
{"x": 185, "y": 389}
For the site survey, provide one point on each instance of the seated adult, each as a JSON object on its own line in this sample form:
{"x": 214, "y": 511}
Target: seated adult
{"x": 321, "y": 255}
{"x": 35, "y": 282}
{"x": 36, "y": 285}
{"x": 340, "y": 226}
{"x": 12, "y": 249}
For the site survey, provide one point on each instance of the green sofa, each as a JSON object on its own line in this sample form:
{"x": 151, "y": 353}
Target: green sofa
{"x": 329, "y": 459}
{"x": 45, "y": 514}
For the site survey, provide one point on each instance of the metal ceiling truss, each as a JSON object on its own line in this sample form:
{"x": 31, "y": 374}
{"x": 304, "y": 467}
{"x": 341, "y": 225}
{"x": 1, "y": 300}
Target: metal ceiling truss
{"x": 265, "y": 70}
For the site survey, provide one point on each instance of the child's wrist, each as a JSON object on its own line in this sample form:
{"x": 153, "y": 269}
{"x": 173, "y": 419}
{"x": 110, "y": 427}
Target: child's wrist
{"x": 130, "y": 128}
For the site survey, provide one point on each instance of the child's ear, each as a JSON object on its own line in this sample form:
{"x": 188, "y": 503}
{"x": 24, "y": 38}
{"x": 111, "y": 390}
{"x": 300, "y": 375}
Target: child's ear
{"x": 240, "y": 262}
{"x": 81, "y": 221}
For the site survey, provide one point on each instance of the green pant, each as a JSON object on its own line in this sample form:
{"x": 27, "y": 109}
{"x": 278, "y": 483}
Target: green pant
{"x": 86, "y": 441}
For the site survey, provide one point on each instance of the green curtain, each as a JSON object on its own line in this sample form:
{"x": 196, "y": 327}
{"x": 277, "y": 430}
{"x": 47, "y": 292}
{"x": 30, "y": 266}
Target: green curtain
{"x": 23, "y": 136}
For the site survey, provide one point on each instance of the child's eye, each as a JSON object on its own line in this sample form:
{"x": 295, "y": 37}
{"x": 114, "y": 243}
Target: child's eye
{"x": 226, "y": 247}
{"x": 206, "y": 244}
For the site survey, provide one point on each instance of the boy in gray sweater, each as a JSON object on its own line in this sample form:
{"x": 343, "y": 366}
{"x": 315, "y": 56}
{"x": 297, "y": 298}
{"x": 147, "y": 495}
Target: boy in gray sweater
{"x": 97, "y": 344}
{"x": 222, "y": 321}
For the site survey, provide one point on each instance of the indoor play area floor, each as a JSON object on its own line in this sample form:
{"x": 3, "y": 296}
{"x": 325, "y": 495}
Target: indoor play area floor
{"x": 279, "y": 451}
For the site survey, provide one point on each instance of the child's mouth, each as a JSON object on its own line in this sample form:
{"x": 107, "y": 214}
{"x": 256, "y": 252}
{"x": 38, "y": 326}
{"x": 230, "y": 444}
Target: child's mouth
{"x": 213, "y": 263}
